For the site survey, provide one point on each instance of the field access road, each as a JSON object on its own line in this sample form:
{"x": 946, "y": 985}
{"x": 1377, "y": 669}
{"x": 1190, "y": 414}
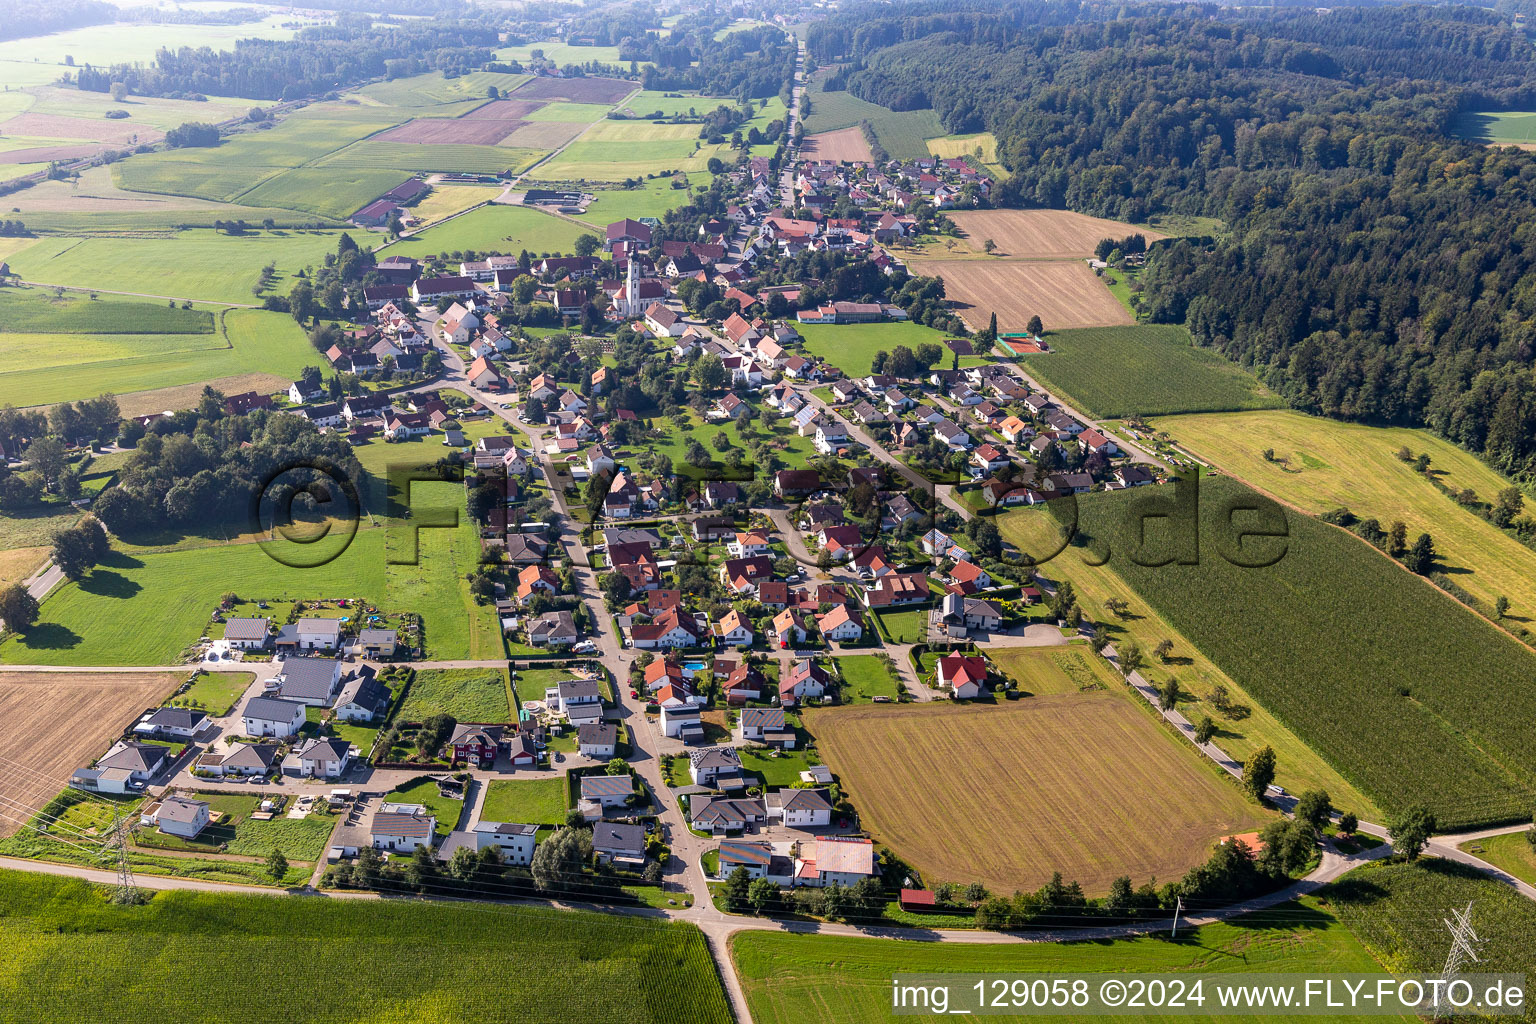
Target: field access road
{"x": 791, "y": 118}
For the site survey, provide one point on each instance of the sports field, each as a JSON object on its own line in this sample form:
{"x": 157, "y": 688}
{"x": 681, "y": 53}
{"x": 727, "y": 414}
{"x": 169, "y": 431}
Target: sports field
{"x": 265, "y": 349}
{"x": 1038, "y": 234}
{"x": 1323, "y": 464}
{"x": 1082, "y": 783}
{"x": 790, "y": 979}
{"x": 202, "y": 265}
{"x": 495, "y": 228}
{"x": 405, "y": 961}
{"x": 56, "y": 723}
{"x": 1142, "y": 370}
{"x": 1062, "y": 295}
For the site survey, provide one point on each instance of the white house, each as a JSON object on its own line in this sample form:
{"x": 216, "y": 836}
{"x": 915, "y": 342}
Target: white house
{"x": 733, "y": 628}
{"x": 800, "y": 808}
{"x": 598, "y": 741}
{"x": 402, "y": 827}
{"x": 247, "y": 634}
{"x": 681, "y": 721}
{"x": 839, "y": 624}
{"x": 181, "y": 816}
{"x": 714, "y": 765}
{"x": 515, "y": 842}
{"x": 269, "y": 716}
{"x": 325, "y": 758}
{"x": 840, "y": 860}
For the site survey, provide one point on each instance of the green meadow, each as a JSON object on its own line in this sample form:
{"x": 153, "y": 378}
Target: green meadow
{"x": 202, "y": 265}
{"x": 495, "y": 228}
{"x": 852, "y": 347}
{"x": 40, "y": 369}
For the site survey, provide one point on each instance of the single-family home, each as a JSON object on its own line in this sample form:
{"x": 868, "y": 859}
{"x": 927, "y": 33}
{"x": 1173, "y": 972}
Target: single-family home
{"x": 622, "y": 845}
{"x": 248, "y": 634}
{"x": 725, "y": 814}
{"x": 310, "y": 635}
{"x": 842, "y": 623}
{"x": 733, "y": 628}
{"x": 681, "y": 720}
{"x": 325, "y": 758}
{"x": 804, "y": 680}
{"x": 270, "y": 716}
{"x": 715, "y": 766}
{"x": 841, "y": 860}
{"x": 964, "y": 675}
{"x": 401, "y": 828}
{"x": 800, "y": 808}
{"x": 171, "y": 723}
{"x": 311, "y": 681}
{"x": 552, "y": 629}
{"x": 597, "y": 740}
{"x": 181, "y": 816}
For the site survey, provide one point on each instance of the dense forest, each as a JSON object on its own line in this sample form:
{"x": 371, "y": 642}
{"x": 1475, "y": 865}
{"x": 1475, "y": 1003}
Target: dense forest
{"x": 320, "y": 58}
{"x": 1373, "y": 266}
{"x": 24, "y": 18}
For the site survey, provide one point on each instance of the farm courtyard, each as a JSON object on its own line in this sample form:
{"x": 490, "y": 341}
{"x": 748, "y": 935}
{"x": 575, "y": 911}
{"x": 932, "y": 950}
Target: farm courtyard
{"x": 1082, "y": 783}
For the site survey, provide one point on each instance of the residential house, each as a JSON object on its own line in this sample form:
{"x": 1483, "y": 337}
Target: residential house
{"x": 620, "y": 845}
{"x": 748, "y": 545}
{"x": 800, "y": 808}
{"x": 181, "y": 816}
{"x": 842, "y": 623}
{"x": 401, "y": 828}
{"x": 311, "y": 681}
{"x": 324, "y": 758}
{"x": 840, "y": 860}
{"x": 570, "y": 697}
{"x": 970, "y": 577}
{"x": 270, "y": 716}
{"x": 363, "y": 699}
{"x": 786, "y": 628}
{"x": 741, "y": 685}
{"x": 597, "y": 740}
{"x": 474, "y": 744}
{"x": 552, "y": 629}
{"x": 964, "y": 675}
{"x": 733, "y": 628}
{"x": 896, "y": 589}
{"x": 682, "y": 721}
{"x": 804, "y": 680}
{"x": 714, "y": 766}
{"x": 171, "y": 723}
{"x": 310, "y": 635}
{"x": 718, "y": 814}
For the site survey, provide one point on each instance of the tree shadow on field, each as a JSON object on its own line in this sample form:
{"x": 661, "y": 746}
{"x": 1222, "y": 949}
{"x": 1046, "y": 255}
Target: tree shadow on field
{"x": 121, "y": 560}
{"x": 110, "y": 584}
{"x": 50, "y": 636}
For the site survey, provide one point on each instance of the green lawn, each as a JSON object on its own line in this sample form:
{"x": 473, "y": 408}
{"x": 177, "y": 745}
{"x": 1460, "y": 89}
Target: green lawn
{"x": 502, "y": 229}
{"x": 652, "y": 198}
{"x": 866, "y": 676}
{"x": 532, "y": 682}
{"x": 467, "y": 694}
{"x": 300, "y": 839}
{"x": 852, "y": 347}
{"x": 908, "y": 626}
{"x": 526, "y": 801}
{"x": 424, "y": 791}
{"x": 216, "y": 692}
{"x": 1512, "y": 852}
{"x": 792, "y": 978}
{"x": 352, "y": 960}
{"x": 197, "y": 264}
{"x": 674, "y": 435}
{"x": 1146, "y": 370}
{"x": 781, "y": 770}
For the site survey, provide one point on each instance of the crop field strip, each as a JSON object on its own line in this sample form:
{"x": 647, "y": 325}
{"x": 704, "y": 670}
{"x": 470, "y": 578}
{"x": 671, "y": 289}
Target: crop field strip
{"x": 57, "y": 722}
{"x": 1439, "y": 719}
{"x": 904, "y": 134}
{"x": 1037, "y": 234}
{"x": 1324, "y": 464}
{"x": 843, "y": 144}
{"x": 1300, "y": 767}
{"x": 790, "y": 979}
{"x": 399, "y": 961}
{"x": 1082, "y": 783}
{"x": 1149, "y": 369}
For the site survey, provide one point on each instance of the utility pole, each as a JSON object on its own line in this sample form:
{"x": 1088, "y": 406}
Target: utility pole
{"x": 1178, "y": 908}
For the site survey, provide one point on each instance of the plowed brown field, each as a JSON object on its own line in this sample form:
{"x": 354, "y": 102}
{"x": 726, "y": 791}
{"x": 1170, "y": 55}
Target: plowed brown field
{"x": 56, "y": 722}
{"x": 1062, "y": 294}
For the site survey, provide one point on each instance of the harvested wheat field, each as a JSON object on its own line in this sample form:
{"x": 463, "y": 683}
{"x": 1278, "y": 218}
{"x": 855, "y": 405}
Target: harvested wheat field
{"x": 56, "y": 722}
{"x": 843, "y": 144}
{"x": 1036, "y": 234}
{"x": 44, "y": 154}
{"x": 1062, "y": 294}
{"x": 1084, "y": 783}
{"x": 186, "y": 396}
{"x": 58, "y": 126}
{"x": 502, "y": 110}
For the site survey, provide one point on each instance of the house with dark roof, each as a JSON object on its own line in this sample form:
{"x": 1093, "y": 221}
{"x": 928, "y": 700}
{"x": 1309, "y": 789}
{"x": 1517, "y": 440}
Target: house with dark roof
{"x": 270, "y": 716}
{"x": 621, "y": 845}
{"x": 800, "y": 808}
{"x": 171, "y": 723}
{"x": 311, "y": 681}
{"x": 401, "y": 827}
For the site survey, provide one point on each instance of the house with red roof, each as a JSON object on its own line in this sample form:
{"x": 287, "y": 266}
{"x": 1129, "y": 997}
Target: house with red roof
{"x": 964, "y": 675}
